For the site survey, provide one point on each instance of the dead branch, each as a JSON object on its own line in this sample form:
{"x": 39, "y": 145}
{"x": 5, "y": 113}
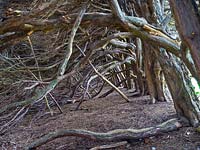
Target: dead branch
{"x": 70, "y": 45}
{"x": 140, "y": 28}
{"x": 27, "y": 26}
{"x": 112, "y": 89}
{"x": 111, "y": 136}
{"x": 106, "y": 80}
{"x": 20, "y": 114}
{"x": 51, "y": 86}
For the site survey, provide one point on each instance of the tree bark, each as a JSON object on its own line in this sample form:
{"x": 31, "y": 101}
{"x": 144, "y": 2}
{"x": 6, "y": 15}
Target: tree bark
{"x": 149, "y": 73}
{"x": 185, "y": 101}
{"x": 159, "y": 79}
{"x": 188, "y": 26}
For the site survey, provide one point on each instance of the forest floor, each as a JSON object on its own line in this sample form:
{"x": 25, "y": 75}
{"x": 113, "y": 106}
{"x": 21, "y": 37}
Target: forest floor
{"x": 102, "y": 115}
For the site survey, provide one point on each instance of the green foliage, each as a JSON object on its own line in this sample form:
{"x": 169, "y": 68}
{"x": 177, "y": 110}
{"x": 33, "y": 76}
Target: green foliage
{"x": 195, "y": 86}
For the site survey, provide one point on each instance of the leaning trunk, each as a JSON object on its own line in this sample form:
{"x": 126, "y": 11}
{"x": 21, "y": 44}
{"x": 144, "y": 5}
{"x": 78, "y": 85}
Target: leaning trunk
{"x": 185, "y": 101}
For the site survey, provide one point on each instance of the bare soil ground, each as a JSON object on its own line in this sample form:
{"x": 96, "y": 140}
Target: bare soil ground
{"x": 102, "y": 115}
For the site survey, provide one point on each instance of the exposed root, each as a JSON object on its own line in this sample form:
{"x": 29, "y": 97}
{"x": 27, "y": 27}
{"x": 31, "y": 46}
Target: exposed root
{"x": 114, "y": 135}
{"x": 114, "y": 145}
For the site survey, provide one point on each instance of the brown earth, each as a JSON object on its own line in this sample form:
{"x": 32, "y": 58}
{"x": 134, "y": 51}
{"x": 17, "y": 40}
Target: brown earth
{"x": 102, "y": 115}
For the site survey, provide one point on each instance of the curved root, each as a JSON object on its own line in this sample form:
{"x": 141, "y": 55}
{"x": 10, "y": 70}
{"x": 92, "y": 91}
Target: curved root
{"x": 114, "y": 135}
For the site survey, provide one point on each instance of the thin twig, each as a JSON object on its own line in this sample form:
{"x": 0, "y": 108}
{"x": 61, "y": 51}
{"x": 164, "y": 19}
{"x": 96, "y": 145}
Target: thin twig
{"x": 106, "y": 80}
{"x": 72, "y": 36}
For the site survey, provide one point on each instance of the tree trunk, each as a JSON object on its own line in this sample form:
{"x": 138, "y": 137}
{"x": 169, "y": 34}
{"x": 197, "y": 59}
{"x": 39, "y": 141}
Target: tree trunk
{"x": 159, "y": 79}
{"x": 153, "y": 74}
{"x": 138, "y": 67}
{"x": 185, "y": 101}
{"x": 149, "y": 72}
{"x": 188, "y": 26}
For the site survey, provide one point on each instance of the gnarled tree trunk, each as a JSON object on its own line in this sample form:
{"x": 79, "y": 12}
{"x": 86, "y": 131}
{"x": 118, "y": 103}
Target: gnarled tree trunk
{"x": 185, "y": 101}
{"x": 188, "y": 25}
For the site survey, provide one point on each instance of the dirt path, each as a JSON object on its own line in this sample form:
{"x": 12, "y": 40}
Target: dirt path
{"x": 102, "y": 115}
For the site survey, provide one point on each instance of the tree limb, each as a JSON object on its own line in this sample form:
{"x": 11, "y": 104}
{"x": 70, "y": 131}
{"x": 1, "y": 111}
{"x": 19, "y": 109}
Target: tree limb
{"x": 140, "y": 28}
